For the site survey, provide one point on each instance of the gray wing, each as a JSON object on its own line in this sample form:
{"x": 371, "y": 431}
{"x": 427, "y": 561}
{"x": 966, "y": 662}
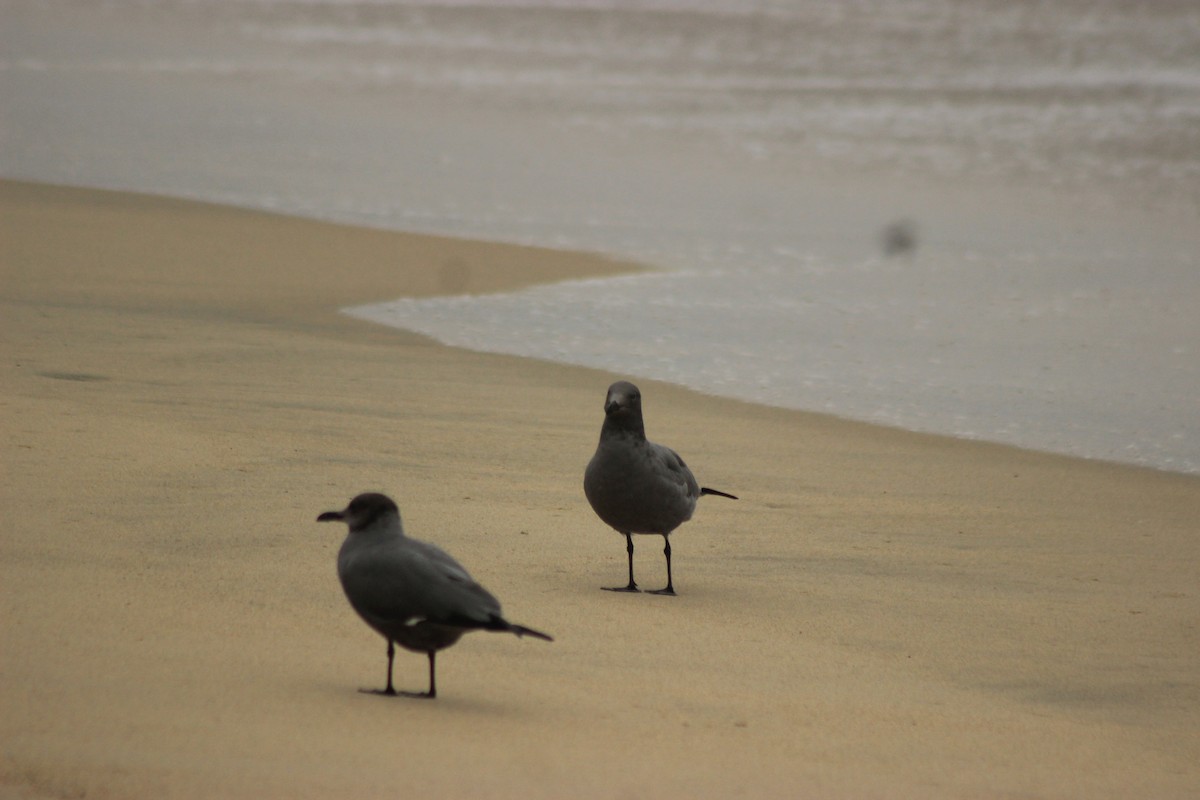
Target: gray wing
{"x": 673, "y": 473}
{"x": 402, "y": 585}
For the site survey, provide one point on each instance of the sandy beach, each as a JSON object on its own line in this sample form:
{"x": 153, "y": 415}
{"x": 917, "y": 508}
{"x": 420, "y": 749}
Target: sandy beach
{"x": 883, "y": 614}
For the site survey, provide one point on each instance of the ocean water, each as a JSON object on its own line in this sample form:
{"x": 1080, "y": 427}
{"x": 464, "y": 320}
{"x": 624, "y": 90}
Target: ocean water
{"x": 971, "y": 218}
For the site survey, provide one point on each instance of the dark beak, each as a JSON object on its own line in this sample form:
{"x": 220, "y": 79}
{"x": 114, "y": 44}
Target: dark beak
{"x": 611, "y": 407}
{"x": 331, "y": 516}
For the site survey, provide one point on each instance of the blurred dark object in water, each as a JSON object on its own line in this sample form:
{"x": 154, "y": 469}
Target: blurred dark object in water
{"x": 899, "y": 238}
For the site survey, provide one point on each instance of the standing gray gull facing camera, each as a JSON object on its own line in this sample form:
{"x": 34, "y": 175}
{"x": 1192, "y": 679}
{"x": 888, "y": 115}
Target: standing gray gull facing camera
{"x": 411, "y": 592}
{"x": 635, "y": 485}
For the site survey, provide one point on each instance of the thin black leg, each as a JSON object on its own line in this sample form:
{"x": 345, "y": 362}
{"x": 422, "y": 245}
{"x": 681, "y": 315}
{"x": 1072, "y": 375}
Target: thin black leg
{"x": 670, "y": 588}
{"x": 390, "y": 691}
{"x": 391, "y": 658}
{"x": 632, "y": 587}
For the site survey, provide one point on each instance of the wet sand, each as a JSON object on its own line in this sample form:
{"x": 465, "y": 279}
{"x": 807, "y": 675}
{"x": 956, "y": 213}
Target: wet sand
{"x": 882, "y": 614}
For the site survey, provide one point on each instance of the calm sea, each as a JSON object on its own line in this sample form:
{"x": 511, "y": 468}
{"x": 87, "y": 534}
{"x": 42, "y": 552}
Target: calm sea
{"x": 971, "y": 218}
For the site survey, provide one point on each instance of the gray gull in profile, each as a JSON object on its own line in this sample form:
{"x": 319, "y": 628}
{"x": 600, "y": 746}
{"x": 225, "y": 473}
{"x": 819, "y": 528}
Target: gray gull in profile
{"x": 411, "y": 592}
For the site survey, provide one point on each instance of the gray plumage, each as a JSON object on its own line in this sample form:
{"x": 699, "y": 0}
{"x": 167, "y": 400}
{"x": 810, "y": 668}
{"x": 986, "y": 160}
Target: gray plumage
{"x": 635, "y": 485}
{"x": 411, "y": 592}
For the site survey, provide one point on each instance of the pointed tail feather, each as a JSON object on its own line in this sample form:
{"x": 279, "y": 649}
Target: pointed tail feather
{"x": 705, "y": 490}
{"x": 521, "y": 630}
{"x": 497, "y": 623}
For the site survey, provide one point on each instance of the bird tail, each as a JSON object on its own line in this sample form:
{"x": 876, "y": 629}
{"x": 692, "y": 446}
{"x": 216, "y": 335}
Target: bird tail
{"x": 521, "y": 630}
{"x": 499, "y": 624}
{"x": 705, "y": 490}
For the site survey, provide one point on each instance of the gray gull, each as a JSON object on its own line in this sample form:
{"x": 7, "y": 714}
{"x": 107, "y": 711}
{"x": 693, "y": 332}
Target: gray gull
{"x": 411, "y": 592}
{"x": 635, "y": 485}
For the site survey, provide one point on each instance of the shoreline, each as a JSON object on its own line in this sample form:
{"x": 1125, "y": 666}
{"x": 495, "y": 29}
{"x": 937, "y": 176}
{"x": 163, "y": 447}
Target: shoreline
{"x": 447, "y": 262}
{"x": 187, "y": 397}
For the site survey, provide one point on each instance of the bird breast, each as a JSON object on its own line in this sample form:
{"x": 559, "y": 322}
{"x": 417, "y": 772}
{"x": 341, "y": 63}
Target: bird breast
{"x": 640, "y": 488}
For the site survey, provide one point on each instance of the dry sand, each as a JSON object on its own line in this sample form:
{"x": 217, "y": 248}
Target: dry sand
{"x": 883, "y": 614}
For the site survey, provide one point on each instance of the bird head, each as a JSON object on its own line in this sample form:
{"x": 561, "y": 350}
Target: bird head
{"x": 623, "y": 408}
{"x": 623, "y": 399}
{"x": 363, "y": 511}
